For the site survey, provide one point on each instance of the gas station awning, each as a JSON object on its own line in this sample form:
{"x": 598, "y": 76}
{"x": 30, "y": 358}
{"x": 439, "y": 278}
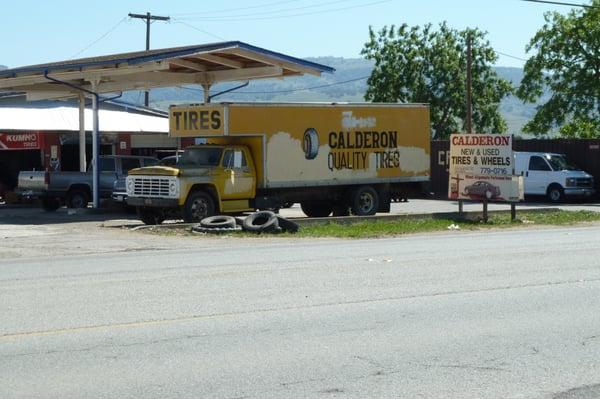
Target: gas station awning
{"x": 200, "y": 64}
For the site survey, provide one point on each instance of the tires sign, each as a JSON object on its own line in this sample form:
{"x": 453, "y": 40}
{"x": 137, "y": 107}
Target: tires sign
{"x": 20, "y": 141}
{"x": 481, "y": 168}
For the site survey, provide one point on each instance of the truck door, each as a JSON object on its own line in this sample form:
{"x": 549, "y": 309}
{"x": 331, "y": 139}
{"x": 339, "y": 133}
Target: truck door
{"x": 239, "y": 181}
{"x": 537, "y": 176}
{"x": 108, "y": 175}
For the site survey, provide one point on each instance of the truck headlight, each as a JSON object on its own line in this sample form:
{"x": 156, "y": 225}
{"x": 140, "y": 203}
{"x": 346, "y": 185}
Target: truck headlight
{"x": 174, "y": 188}
{"x": 130, "y": 185}
{"x": 571, "y": 182}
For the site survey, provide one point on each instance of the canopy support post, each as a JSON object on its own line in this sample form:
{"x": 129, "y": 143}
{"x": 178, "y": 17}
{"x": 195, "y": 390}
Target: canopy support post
{"x": 82, "y": 155}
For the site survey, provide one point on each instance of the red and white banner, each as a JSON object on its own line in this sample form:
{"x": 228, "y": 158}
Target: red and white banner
{"x": 20, "y": 141}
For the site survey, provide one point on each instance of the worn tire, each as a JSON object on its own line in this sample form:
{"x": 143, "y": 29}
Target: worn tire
{"x": 365, "y": 201}
{"x": 555, "y": 193}
{"x": 316, "y": 209}
{"x": 287, "y": 225}
{"x": 218, "y": 222}
{"x": 50, "y": 204}
{"x": 77, "y": 198}
{"x": 215, "y": 230}
{"x": 261, "y": 221}
{"x": 151, "y": 216}
{"x": 199, "y": 205}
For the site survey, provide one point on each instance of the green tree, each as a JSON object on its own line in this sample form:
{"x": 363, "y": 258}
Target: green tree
{"x": 566, "y": 62}
{"x": 423, "y": 65}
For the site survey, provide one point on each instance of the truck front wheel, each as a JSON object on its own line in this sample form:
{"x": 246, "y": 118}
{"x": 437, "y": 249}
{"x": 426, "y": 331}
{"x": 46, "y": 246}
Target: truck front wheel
{"x": 198, "y": 206}
{"x": 365, "y": 201}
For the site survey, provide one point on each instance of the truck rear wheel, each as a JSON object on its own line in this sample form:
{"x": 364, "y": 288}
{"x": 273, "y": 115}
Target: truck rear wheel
{"x": 198, "y": 206}
{"x": 316, "y": 209}
{"x": 151, "y": 216}
{"x": 365, "y": 201}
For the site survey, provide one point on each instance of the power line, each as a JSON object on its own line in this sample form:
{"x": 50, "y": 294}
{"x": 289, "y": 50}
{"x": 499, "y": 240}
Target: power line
{"x": 237, "y": 8}
{"x": 178, "y": 21}
{"x": 291, "y": 90}
{"x": 264, "y": 13}
{"x": 108, "y": 32}
{"x": 560, "y": 3}
{"x": 228, "y": 19}
{"x": 511, "y": 56}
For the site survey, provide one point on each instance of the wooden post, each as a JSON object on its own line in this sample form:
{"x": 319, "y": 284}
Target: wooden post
{"x": 513, "y": 212}
{"x": 485, "y": 210}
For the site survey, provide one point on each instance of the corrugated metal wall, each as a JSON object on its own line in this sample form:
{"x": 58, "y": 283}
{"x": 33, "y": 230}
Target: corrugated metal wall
{"x": 584, "y": 153}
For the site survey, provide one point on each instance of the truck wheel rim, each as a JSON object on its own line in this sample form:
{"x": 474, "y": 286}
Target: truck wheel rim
{"x": 78, "y": 202}
{"x": 555, "y": 195}
{"x": 199, "y": 208}
{"x": 366, "y": 202}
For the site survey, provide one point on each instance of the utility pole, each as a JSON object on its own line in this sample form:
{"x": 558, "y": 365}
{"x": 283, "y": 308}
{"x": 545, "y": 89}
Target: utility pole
{"x": 468, "y": 121}
{"x": 148, "y": 17}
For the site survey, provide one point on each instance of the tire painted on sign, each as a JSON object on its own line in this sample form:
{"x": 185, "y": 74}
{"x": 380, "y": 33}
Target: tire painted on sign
{"x": 310, "y": 143}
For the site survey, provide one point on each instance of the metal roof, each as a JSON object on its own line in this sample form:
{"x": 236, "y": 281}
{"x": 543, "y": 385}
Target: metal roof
{"x": 200, "y": 64}
{"x": 67, "y": 119}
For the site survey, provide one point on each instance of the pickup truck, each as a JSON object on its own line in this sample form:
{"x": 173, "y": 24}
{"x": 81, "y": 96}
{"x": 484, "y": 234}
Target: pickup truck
{"x": 75, "y": 188}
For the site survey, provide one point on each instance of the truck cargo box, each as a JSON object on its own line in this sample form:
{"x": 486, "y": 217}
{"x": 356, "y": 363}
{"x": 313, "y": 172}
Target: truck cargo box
{"x": 296, "y": 145}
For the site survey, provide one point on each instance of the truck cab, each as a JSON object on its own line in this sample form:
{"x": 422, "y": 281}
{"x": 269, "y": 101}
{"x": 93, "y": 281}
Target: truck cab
{"x": 208, "y": 179}
{"x": 552, "y": 175}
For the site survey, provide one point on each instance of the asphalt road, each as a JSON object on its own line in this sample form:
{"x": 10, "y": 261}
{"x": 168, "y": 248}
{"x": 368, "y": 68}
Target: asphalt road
{"x": 505, "y": 314}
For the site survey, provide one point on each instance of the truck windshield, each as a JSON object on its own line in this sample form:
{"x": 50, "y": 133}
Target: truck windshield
{"x": 200, "y": 157}
{"x": 559, "y": 162}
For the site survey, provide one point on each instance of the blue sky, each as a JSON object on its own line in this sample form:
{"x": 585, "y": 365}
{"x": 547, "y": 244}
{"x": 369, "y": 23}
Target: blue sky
{"x": 43, "y": 31}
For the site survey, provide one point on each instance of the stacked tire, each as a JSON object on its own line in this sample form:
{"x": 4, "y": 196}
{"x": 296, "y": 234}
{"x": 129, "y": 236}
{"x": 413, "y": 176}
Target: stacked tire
{"x": 257, "y": 222}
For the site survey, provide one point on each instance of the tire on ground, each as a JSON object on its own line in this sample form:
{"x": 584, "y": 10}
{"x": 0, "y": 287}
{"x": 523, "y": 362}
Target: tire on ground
{"x": 287, "y": 225}
{"x": 199, "y": 205}
{"x": 151, "y": 216}
{"x": 50, "y": 204}
{"x": 316, "y": 209}
{"x": 365, "y": 201}
{"x": 215, "y": 230}
{"x": 218, "y": 221}
{"x": 261, "y": 221}
{"x": 77, "y": 198}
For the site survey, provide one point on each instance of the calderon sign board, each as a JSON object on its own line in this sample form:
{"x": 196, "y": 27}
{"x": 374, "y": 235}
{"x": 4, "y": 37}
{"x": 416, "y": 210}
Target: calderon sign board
{"x": 20, "y": 141}
{"x": 481, "y": 167}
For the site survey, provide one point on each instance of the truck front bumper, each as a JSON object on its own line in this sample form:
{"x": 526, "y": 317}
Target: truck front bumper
{"x": 579, "y": 192}
{"x": 153, "y": 202}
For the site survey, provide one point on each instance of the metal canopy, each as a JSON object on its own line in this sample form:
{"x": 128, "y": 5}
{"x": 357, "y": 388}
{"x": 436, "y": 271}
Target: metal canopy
{"x": 201, "y": 64}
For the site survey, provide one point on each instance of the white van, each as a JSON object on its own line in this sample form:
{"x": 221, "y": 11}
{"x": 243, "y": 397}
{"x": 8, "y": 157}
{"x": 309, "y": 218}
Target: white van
{"x": 552, "y": 175}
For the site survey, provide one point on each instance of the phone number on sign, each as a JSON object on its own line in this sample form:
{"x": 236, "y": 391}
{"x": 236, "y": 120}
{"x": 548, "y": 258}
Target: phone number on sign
{"x": 493, "y": 171}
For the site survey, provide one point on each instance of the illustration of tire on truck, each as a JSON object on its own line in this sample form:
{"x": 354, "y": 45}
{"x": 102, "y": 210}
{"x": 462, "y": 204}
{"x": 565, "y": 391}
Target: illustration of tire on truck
{"x": 332, "y": 159}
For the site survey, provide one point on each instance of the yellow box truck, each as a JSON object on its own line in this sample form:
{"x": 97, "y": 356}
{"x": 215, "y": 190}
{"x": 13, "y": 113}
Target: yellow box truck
{"x": 331, "y": 158}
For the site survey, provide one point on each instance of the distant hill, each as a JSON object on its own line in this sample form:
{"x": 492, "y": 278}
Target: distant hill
{"x": 325, "y": 89}
{"x": 3, "y": 67}
{"x": 352, "y": 71}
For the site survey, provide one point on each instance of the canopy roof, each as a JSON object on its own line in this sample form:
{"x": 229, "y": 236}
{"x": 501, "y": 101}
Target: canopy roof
{"x": 200, "y": 64}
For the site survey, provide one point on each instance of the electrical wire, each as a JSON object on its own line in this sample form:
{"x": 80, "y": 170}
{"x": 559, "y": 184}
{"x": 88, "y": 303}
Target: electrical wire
{"x": 177, "y": 21}
{"x": 291, "y": 90}
{"x": 229, "y": 19}
{"x": 108, "y": 32}
{"x": 511, "y": 56}
{"x": 264, "y": 13}
{"x": 237, "y": 8}
{"x": 560, "y": 3}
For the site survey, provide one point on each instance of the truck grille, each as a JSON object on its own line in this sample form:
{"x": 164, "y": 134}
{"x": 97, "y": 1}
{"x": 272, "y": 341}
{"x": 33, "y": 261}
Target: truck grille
{"x": 584, "y": 182}
{"x": 149, "y": 186}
